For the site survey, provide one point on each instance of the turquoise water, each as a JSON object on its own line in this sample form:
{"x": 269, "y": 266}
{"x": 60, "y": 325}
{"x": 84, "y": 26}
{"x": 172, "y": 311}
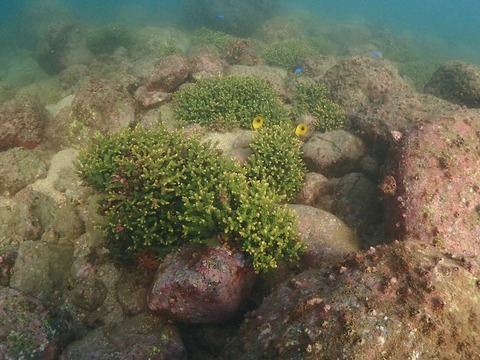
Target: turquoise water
{"x": 440, "y": 29}
{"x": 453, "y": 25}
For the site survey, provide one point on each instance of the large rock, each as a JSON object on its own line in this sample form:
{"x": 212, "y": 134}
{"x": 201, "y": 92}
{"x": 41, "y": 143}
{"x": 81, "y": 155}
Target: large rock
{"x": 100, "y": 105}
{"x": 8, "y": 255}
{"x": 201, "y": 284}
{"x": 26, "y": 216}
{"x": 206, "y": 64}
{"x": 334, "y": 153}
{"x": 40, "y": 269}
{"x": 400, "y": 301}
{"x": 18, "y": 168}
{"x": 140, "y": 337}
{"x": 383, "y": 125}
{"x": 168, "y": 74}
{"x": 457, "y": 82}
{"x": 357, "y": 82}
{"x": 62, "y": 45}
{"x": 47, "y": 208}
{"x": 91, "y": 295}
{"x": 356, "y": 201}
{"x": 28, "y": 330}
{"x": 326, "y": 236}
{"x": 316, "y": 185}
{"x": 162, "y": 78}
{"x": 22, "y": 123}
{"x": 431, "y": 190}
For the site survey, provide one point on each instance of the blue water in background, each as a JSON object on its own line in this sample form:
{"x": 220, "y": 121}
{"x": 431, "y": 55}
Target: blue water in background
{"x": 451, "y": 26}
{"x": 453, "y": 21}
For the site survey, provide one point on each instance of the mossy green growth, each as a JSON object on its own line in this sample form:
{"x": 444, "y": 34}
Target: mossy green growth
{"x": 288, "y": 54}
{"x": 109, "y": 38}
{"x": 219, "y": 39}
{"x": 227, "y": 102}
{"x": 312, "y": 99}
{"x": 277, "y": 160}
{"x": 162, "y": 190}
{"x": 268, "y": 230}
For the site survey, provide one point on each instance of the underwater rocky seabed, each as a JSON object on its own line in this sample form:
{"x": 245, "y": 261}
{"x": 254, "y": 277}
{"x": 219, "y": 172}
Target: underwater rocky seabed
{"x": 390, "y": 211}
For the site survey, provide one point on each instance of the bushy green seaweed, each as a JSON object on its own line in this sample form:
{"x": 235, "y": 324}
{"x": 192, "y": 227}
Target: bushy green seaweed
{"x": 277, "y": 160}
{"x": 312, "y": 99}
{"x": 288, "y": 54}
{"x": 219, "y": 39}
{"x": 228, "y": 102}
{"x": 162, "y": 190}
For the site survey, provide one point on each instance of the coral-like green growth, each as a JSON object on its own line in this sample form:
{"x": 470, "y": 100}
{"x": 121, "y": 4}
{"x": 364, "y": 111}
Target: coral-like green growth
{"x": 288, "y": 54}
{"x": 109, "y": 38}
{"x": 162, "y": 190}
{"x": 312, "y": 99}
{"x": 277, "y": 160}
{"x": 219, "y": 39}
{"x": 227, "y": 102}
{"x": 268, "y": 231}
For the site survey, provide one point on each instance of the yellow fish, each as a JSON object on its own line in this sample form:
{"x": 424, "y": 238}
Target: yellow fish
{"x": 301, "y": 129}
{"x": 257, "y": 122}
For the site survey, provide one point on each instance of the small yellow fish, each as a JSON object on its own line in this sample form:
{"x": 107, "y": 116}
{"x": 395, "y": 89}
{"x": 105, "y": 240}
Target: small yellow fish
{"x": 301, "y": 129}
{"x": 257, "y": 122}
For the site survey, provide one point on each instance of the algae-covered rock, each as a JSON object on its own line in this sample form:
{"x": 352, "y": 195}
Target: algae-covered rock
{"x": 22, "y": 123}
{"x": 402, "y": 301}
{"x": 28, "y": 330}
{"x": 18, "y": 168}
{"x": 140, "y": 337}
{"x": 436, "y": 195}
{"x": 201, "y": 285}
{"x": 457, "y": 82}
{"x": 334, "y": 153}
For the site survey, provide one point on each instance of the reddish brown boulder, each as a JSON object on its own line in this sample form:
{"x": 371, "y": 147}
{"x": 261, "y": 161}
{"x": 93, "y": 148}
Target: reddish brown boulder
{"x": 148, "y": 99}
{"x": 22, "y": 123}
{"x": 168, "y": 74}
{"x": 436, "y": 195}
{"x": 206, "y": 64}
{"x": 201, "y": 284}
{"x": 398, "y": 301}
{"x": 101, "y": 105}
{"x": 384, "y": 124}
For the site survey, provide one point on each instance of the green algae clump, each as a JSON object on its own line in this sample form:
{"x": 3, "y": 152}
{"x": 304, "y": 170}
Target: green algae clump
{"x": 288, "y": 54}
{"x": 277, "y": 160}
{"x": 312, "y": 99}
{"x": 219, "y": 39}
{"x": 227, "y": 102}
{"x": 162, "y": 190}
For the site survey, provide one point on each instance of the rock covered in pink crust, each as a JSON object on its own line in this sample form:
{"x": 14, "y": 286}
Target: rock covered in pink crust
{"x": 201, "y": 284}
{"x": 437, "y": 185}
{"x": 22, "y": 123}
{"x": 400, "y": 301}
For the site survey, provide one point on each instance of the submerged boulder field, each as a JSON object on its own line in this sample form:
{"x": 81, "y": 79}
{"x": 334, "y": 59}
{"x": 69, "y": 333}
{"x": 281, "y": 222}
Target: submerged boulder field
{"x": 389, "y": 215}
